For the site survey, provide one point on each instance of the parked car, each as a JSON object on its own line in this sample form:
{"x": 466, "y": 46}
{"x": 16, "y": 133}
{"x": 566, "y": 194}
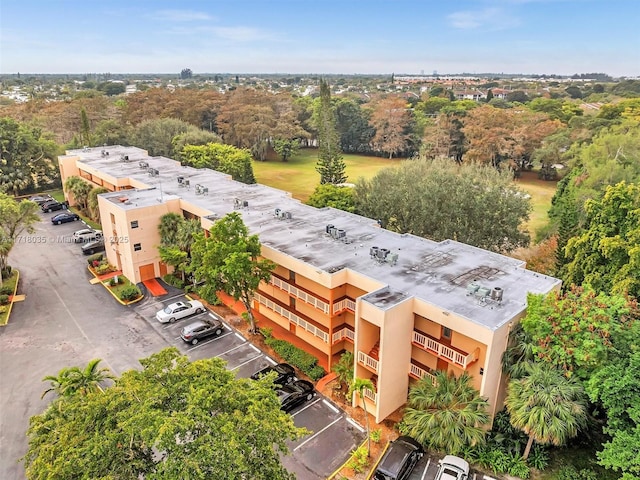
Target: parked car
{"x": 52, "y": 206}
{"x": 452, "y": 468}
{"x": 86, "y": 235}
{"x": 295, "y": 394}
{"x": 285, "y": 373}
{"x": 201, "y": 329}
{"x": 93, "y": 247}
{"x": 399, "y": 460}
{"x": 64, "y": 218}
{"x": 40, "y": 199}
{"x": 179, "y": 310}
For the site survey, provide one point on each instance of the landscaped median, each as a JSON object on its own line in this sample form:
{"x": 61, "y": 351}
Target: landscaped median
{"x": 10, "y": 286}
{"x": 119, "y": 286}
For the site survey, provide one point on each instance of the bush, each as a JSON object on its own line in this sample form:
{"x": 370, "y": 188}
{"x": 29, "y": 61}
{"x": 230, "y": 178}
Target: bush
{"x": 130, "y": 292}
{"x": 538, "y": 458}
{"x": 104, "y": 267}
{"x": 6, "y": 272}
{"x": 115, "y": 281}
{"x": 297, "y": 357}
{"x": 4, "y": 299}
{"x": 570, "y": 472}
{"x": 96, "y": 257}
{"x": 6, "y": 290}
{"x": 375, "y": 435}
{"x": 173, "y": 280}
{"x": 359, "y": 459}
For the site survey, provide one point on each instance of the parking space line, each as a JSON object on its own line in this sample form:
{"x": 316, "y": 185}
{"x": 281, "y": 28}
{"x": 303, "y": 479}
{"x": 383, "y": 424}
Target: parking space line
{"x": 255, "y": 348}
{"x": 200, "y": 344}
{"x": 330, "y": 406}
{"x": 355, "y": 424}
{"x": 241, "y": 337}
{"x": 305, "y": 407}
{"x": 427, "y": 468}
{"x": 231, "y": 349}
{"x": 248, "y": 361}
{"x": 271, "y": 360}
{"x": 316, "y": 434}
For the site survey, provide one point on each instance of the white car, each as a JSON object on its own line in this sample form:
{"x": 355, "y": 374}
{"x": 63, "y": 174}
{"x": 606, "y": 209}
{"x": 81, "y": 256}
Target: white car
{"x": 179, "y": 310}
{"x": 452, "y": 468}
{"x": 86, "y": 235}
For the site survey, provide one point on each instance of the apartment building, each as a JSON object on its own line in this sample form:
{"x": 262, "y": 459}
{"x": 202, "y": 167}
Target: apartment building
{"x": 404, "y": 305}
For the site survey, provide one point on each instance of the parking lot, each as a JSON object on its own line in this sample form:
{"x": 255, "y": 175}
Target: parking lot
{"x": 67, "y": 321}
{"x": 333, "y": 434}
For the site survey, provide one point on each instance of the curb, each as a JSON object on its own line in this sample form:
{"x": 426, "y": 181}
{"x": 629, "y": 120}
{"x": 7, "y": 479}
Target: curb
{"x": 344, "y": 465}
{"x": 15, "y": 290}
{"x": 101, "y": 282}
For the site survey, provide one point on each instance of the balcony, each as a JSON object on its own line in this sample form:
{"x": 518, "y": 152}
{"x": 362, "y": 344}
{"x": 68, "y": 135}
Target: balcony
{"x": 344, "y": 304}
{"x": 368, "y": 362}
{"x": 449, "y": 354}
{"x": 417, "y": 372}
{"x": 342, "y": 334}
{"x": 302, "y": 295}
{"x": 373, "y": 396}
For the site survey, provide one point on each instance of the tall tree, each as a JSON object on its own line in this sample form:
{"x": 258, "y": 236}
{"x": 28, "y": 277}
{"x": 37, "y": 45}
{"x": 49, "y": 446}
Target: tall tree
{"x": 228, "y": 159}
{"x": 330, "y": 166}
{"x": 92, "y": 202}
{"x": 80, "y": 190}
{"x": 85, "y": 129}
{"x": 546, "y": 405}
{"x": 359, "y": 385}
{"x": 447, "y": 414}
{"x": 15, "y": 219}
{"x": 440, "y": 200}
{"x": 73, "y": 380}
{"x": 391, "y": 120}
{"x": 156, "y": 135}
{"x": 228, "y": 260}
{"x": 171, "y": 417}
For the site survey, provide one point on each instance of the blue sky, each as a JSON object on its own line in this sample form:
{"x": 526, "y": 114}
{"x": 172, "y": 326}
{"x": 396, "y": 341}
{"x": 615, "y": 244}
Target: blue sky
{"x": 320, "y": 36}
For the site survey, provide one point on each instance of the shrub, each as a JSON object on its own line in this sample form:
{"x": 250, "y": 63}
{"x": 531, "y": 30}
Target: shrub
{"x": 316, "y": 373}
{"x": 6, "y": 290}
{"x": 359, "y": 459}
{"x": 130, "y": 292}
{"x": 570, "y": 472}
{"x": 174, "y": 281}
{"x": 539, "y": 458}
{"x": 95, "y": 259}
{"x": 6, "y": 271}
{"x": 4, "y": 309}
{"x": 210, "y": 298}
{"x": 115, "y": 281}
{"x": 375, "y": 435}
{"x": 297, "y": 357}
{"x": 4, "y": 299}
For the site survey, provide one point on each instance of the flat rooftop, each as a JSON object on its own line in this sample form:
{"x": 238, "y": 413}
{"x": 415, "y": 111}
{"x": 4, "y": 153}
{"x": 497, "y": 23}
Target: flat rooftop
{"x": 439, "y": 273}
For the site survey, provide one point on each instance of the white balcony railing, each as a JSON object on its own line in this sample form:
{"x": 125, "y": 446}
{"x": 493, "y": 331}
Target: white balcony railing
{"x": 342, "y": 334}
{"x": 344, "y": 304}
{"x": 302, "y": 295}
{"x": 371, "y": 395}
{"x": 443, "y": 351}
{"x": 292, "y": 317}
{"x": 368, "y": 361}
{"x": 416, "y": 371}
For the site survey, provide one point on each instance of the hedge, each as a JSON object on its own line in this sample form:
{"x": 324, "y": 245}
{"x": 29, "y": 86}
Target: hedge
{"x": 297, "y": 357}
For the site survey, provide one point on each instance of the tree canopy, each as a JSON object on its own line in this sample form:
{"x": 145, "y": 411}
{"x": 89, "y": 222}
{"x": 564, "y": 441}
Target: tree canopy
{"x": 15, "y": 219}
{"x": 172, "y": 419}
{"x": 330, "y": 166}
{"x": 228, "y": 159}
{"x": 228, "y": 260}
{"x": 440, "y": 200}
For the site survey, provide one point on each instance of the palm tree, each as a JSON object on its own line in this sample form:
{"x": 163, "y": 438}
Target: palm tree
{"x": 519, "y": 353}
{"x": 169, "y": 227}
{"x": 72, "y": 380}
{"x": 344, "y": 369}
{"x": 359, "y": 385}
{"x": 92, "y": 202}
{"x": 448, "y": 415}
{"x": 546, "y": 405}
{"x": 79, "y": 189}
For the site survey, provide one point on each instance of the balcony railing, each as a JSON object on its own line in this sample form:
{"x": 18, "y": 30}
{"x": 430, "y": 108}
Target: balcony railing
{"x": 369, "y": 362}
{"x": 342, "y": 334}
{"x": 418, "y": 372}
{"x": 302, "y": 295}
{"x": 443, "y": 351}
{"x": 371, "y": 395}
{"x": 344, "y": 304}
{"x": 292, "y": 317}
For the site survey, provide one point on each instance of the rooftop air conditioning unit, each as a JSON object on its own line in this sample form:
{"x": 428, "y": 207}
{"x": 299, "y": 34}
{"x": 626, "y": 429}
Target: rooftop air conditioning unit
{"x": 287, "y": 215}
{"x": 340, "y": 233}
{"x": 472, "y": 288}
{"x": 496, "y": 294}
{"x": 373, "y": 252}
{"x": 382, "y": 253}
{"x": 328, "y": 228}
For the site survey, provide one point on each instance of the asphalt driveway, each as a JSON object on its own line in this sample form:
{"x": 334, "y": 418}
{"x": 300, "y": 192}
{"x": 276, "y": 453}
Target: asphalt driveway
{"x": 67, "y": 321}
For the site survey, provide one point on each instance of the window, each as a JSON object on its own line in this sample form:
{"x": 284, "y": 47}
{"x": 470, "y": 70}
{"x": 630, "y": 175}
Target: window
{"x": 292, "y": 302}
{"x": 292, "y": 276}
{"x": 134, "y": 224}
{"x": 137, "y": 247}
{"x": 446, "y": 332}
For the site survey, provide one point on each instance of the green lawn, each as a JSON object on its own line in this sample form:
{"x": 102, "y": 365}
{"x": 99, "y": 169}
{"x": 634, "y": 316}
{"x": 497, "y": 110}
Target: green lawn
{"x": 299, "y": 175}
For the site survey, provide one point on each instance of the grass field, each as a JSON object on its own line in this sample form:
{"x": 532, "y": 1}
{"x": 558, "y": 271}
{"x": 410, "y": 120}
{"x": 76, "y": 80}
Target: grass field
{"x": 299, "y": 177}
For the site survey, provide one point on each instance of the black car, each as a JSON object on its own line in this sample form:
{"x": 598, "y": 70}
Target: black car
{"x": 64, "y": 218}
{"x": 93, "y": 247}
{"x": 286, "y": 373}
{"x": 52, "y": 206}
{"x": 200, "y": 329}
{"x": 399, "y": 460}
{"x": 295, "y": 394}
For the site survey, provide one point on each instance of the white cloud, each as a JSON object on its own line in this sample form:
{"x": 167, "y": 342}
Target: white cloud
{"x": 181, "y": 16}
{"x": 491, "y": 18}
{"x": 240, "y": 34}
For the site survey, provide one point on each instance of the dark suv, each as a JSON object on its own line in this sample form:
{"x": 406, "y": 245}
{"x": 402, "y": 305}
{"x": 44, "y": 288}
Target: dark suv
{"x": 285, "y": 373}
{"x": 52, "y": 206}
{"x": 399, "y": 459}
